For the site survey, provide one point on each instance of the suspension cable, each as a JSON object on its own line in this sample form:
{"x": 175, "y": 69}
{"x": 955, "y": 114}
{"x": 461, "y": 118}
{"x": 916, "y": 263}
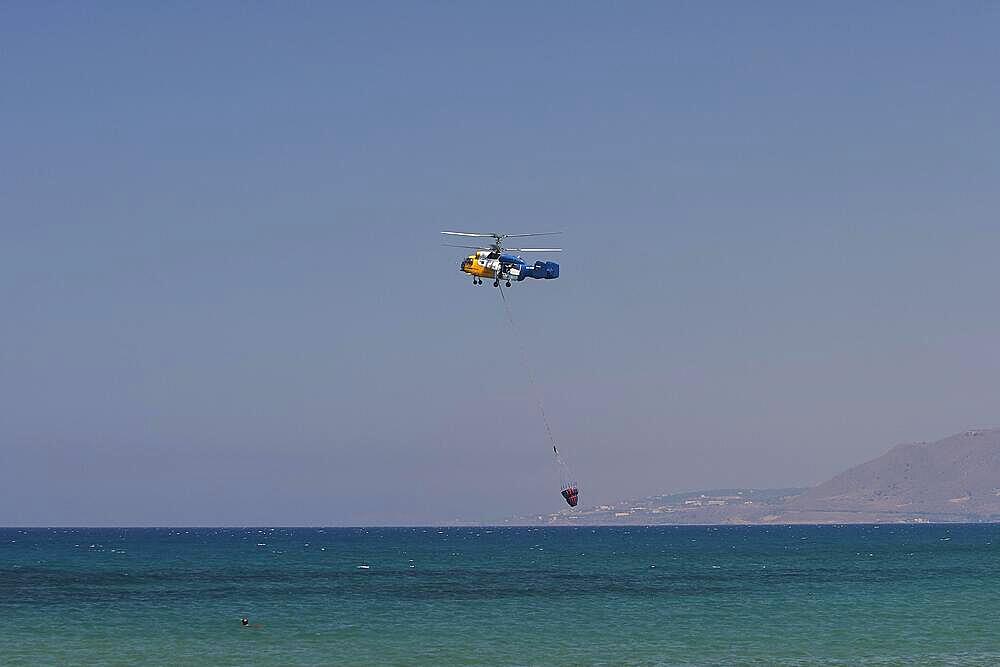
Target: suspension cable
{"x": 531, "y": 375}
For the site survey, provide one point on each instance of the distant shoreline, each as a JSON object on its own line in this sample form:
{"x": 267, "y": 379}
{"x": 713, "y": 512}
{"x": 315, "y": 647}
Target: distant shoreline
{"x": 519, "y": 525}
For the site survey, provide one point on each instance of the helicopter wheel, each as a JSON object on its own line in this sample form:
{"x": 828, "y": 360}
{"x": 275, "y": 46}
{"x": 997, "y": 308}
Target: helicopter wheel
{"x": 496, "y": 283}
{"x": 508, "y": 283}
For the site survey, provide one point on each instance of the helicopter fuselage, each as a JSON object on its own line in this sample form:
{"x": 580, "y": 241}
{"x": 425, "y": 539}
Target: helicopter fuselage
{"x": 503, "y": 266}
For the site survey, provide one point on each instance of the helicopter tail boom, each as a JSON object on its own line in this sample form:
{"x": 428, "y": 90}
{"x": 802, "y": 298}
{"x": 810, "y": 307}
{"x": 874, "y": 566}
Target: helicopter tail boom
{"x": 542, "y": 270}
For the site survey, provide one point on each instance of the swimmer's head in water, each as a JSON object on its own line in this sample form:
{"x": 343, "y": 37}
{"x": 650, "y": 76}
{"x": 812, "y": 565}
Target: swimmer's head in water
{"x": 245, "y": 621}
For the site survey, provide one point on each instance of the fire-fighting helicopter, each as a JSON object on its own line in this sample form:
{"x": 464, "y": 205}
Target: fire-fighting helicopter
{"x": 496, "y": 261}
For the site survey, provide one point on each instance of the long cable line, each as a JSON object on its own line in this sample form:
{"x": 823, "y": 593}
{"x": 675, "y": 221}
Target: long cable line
{"x": 567, "y": 483}
{"x": 531, "y": 375}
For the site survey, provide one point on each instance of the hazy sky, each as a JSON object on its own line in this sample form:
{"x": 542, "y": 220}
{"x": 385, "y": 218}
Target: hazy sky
{"x": 224, "y": 300}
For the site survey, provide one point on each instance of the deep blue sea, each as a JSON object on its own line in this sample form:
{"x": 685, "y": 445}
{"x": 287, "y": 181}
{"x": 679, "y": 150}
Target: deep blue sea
{"x": 777, "y": 595}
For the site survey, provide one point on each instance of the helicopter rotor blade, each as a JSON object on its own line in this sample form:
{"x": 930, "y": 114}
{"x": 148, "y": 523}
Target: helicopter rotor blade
{"x": 511, "y": 236}
{"x": 469, "y": 247}
{"x": 483, "y": 236}
{"x": 535, "y": 249}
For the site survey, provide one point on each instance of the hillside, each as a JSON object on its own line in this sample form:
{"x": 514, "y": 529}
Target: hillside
{"x": 956, "y": 479}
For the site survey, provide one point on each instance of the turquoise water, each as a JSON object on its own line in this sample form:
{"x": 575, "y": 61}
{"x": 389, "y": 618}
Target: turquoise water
{"x": 850, "y": 595}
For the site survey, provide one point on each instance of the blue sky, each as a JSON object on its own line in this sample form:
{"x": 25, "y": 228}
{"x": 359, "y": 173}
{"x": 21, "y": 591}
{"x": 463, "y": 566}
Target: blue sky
{"x": 225, "y": 302}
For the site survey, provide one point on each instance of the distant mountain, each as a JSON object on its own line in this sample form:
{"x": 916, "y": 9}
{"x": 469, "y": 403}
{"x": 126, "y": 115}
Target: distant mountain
{"x": 956, "y": 479}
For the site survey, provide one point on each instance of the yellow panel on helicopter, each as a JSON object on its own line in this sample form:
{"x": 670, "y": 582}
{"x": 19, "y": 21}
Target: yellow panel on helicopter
{"x": 473, "y": 267}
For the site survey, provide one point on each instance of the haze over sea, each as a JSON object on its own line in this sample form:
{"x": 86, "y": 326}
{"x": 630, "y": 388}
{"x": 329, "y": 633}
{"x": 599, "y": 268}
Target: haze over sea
{"x": 774, "y": 595}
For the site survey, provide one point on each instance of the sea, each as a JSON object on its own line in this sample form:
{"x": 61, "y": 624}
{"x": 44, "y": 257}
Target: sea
{"x": 663, "y": 595}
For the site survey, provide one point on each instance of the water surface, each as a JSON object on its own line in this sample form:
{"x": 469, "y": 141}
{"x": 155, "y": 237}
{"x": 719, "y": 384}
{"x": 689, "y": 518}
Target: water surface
{"x": 817, "y": 595}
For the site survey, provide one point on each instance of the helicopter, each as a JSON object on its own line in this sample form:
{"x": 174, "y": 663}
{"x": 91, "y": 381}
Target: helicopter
{"x": 496, "y": 261}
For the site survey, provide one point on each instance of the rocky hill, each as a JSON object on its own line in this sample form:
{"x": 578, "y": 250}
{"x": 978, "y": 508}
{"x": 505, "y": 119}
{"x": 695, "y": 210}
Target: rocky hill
{"x": 956, "y": 479}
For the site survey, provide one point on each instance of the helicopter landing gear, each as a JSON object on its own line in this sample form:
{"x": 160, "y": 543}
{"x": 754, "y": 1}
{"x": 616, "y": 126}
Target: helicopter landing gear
{"x": 508, "y": 283}
{"x": 496, "y": 283}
